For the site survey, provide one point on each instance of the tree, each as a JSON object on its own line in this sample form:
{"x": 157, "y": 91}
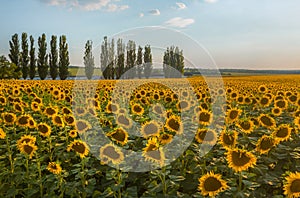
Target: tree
{"x": 42, "y": 58}
{"x": 139, "y": 62}
{"x": 120, "y": 63}
{"x": 130, "y": 60}
{"x": 173, "y": 62}
{"x": 166, "y": 64}
{"x": 104, "y": 58}
{"x": 64, "y": 61}
{"x": 88, "y": 58}
{"x": 53, "y": 58}
{"x": 147, "y": 61}
{"x": 32, "y": 64}
{"x": 24, "y": 56}
{"x": 111, "y": 59}
{"x": 7, "y": 69}
{"x": 14, "y": 53}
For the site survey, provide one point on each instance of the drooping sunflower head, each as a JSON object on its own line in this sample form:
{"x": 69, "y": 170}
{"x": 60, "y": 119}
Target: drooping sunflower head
{"x": 174, "y": 124}
{"x": 239, "y": 159}
{"x": 110, "y": 153}
{"x": 292, "y": 185}
{"x": 44, "y": 129}
{"x": 54, "y": 168}
{"x": 119, "y": 135}
{"x": 212, "y": 184}
{"x": 2, "y": 134}
{"x": 58, "y": 120}
{"x": 82, "y": 126}
{"x": 228, "y": 139}
{"x": 233, "y": 114}
{"x": 266, "y": 121}
{"x": 151, "y": 128}
{"x": 265, "y": 144}
{"x": 28, "y": 148}
{"x": 205, "y": 117}
{"x": 79, "y": 147}
{"x": 282, "y": 133}
{"x": 9, "y": 118}
{"x": 165, "y": 138}
{"x": 206, "y": 136}
{"x": 246, "y": 126}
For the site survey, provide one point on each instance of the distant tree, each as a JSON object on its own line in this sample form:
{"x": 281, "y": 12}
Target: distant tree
{"x": 88, "y": 58}
{"x": 53, "y": 58}
{"x": 7, "y": 69}
{"x": 120, "y": 63}
{"x": 32, "y": 65}
{"x": 147, "y": 61}
{"x": 14, "y": 53}
{"x": 166, "y": 63}
{"x": 111, "y": 59}
{"x": 64, "y": 61}
{"x": 42, "y": 58}
{"x": 130, "y": 60}
{"x": 139, "y": 62}
{"x": 24, "y": 56}
{"x": 104, "y": 58}
{"x": 173, "y": 62}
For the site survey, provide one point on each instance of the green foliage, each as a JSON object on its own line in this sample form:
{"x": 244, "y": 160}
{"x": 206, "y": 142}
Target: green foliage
{"x": 64, "y": 61}
{"x": 107, "y": 58}
{"x": 88, "y": 58}
{"x": 32, "y": 64}
{"x": 139, "y": 62}
{"x": 120, "y": 66}
{"x": 42, "y": 58}
{"x": 173, "y": 62}
{"x": 24, "y": 56}
{"x": 130, "y": 60}
{"x": 53, "y": 58}
{"x": 147, "y": 61}
{"x": 14, "y": 53}
{"x": 7, "y": 69}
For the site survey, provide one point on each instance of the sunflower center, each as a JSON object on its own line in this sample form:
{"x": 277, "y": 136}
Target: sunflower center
{"x": 28, "y": 149}
{"x": 266, "y": 121}
{"x": 204, "y": 117}
{"x": 264, "y": 101}
{"x": 80, "y": 148}
{"x": 174, "y": 124}
{"x": 233, "y": 114}
{"x": 119, "y": 135}
{"x": 111, "y": 153}
{"x": 23, "y": 120}
{"x": 58, "y": 120}
{"x": 183, "y": 104}
{"x": 280, "y": 104}
{"x": 43, "y": 128}
{"x": 8, "y": 118}
{"x": 81, "y": 126}
{"x": 212, "y": 184}
{"x": 282, "y": 132}
{"x": 50, "y": 111}
{"x": 123, "y": 120}
{"x": 266, "y": 144}
{"x": 150, "y": 129}
{"x": 295, "y": 186}
{"x": 137, "y": 109}
{"x": 240, "y": 158}
{"x": 245, "y": 125}
{"x": 228, "y": 139}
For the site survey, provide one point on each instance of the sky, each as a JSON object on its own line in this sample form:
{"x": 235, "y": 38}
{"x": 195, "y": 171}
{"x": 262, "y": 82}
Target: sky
{"x": 247, "y": 34}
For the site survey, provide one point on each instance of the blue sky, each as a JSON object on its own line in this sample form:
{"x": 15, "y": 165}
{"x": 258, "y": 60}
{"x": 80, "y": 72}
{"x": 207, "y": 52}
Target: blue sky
{"x": 252, "y": 34}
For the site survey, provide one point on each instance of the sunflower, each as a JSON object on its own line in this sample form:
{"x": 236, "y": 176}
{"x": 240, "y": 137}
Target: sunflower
{"x": 262, "y": 88}
{"x": 212, "y": 184}
{"x": 28, "y": 148}
{"x": 292, "y": 185}
{"x": 239, "y": 159}
{"x": 152, "y": 144}
{"x": 228, "y": 139}
{"x": 69, "y": 119}
{"x": 35, "y": 106}
{"x": 266, "y": 121}
{"x": 58, "y": 120}
{"x": 80, "y": 111}
{"x": 165, "y": 138}
{"x": 82, "y": 126}
{"x": 265, "y": 101}
{"x": 205, "y": 117}
{"x": 246, "y": 126}
{"x": 18, "y": 107}
{"x": 109, "y": 152}
{"x": 155, "y": 156}
{"x": 50, "y": 111}
{"x": 23, "y": 120}
{"x": 151, "y": 128}
{"x": 124, "y": 121}
{"x": 73, "y": 133}
{"x": 282, "y": 104}
{"x": 174, "y": 124}
{"x": 26, "y": 139}
{"x": 183, "y": 105}
{"x": 2, "y": 134}
{"x": 297, "y": 122}
{"x": 137, "y": 109}
{"x": 66, "y": 111}
{"x": 159, "y": 109}
{"x": 119, "y": 135}
{"x": 54, "y": 168}
{"x": 264, "y": 144}
{"x": 206, "y": 136}
{"x": 9, "y": 118}
{"x": 282, "y": 133}
{"x": 44, "y": 129}
{"x": 276, "y": 111}
{"x": 79, "y": 147}
{"x": 233, "y": 114}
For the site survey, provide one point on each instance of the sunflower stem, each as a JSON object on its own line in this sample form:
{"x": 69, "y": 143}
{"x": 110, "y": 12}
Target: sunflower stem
{"x": 40, "y": 175}
{"x": 27, "y": 169}
{"x": 83, "y": 177}
{"x": 50, "y": 147}
{"x": 60, "y": 185}
{"x": 163, "y": 181}
{"x": 9, "y": 155}
{"x": 240, "y": 181}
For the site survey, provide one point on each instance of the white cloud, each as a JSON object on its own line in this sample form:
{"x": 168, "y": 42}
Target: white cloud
{"x": 181, "y": 6}
{"x": 155, "y": 12}
{"x": 179, "y": 22}
{"x": 114, "y": 7}
{"x": 141, "y": 15}
{"x": 210, "y": 1}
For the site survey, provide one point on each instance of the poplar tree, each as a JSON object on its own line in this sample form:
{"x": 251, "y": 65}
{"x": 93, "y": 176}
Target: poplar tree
{"x": 42, "y": 62}
{"x": 88, "y": 58}
{"x": 64, "y": 61}
{"x": 130, "y": 60}
{"x": 32, "y": 64}
{"x": 53, "y": 58}
{"x": 147, "y": 61}
{"x": 139, "y": 62}
{"x": 120, "y": 63}
{"x": 24, "y": 56}
{"x": 14, "y": 54}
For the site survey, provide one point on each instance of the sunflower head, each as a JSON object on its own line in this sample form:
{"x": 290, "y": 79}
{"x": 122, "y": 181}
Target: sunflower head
{"x": 228, "y": 139}
{"x": 28, "y": 148}
{"x": 165, "y": 138}
{"x": 110, "y": 153}
{"x": 44, "y": 129}
{"x": 137, "y": 109}
{"x": 26, "y": 139}
{"x": 54, "y": 168}
{"x": 58, "y": 120}
{"x": 292, "y": 185}
{"x": 124, "y": 121}
{"x": 239, "y": 159}
{"x": 266, "y": 121}
{"x": 246, "y": 126}
{"x": 212, "y": 184}
{"x": 119, "y": 135}
{"x": 155, "y": 156}
{"x": 233, "y": 115}
{"x": 265, "y": 144}
{"x": 82, "y": 126}
{"x": 206, "y": 136}
{"x": 282, "y": 133}
{"x": 50, "y": 111}
{"x": 73, "y": 133}
{"x": 79, "y": 147}
{"x": 2, "y": 134}
{"x": 205, "y": 117}
{"x": 151, "y": 128}
{"x": 9, "y": 118}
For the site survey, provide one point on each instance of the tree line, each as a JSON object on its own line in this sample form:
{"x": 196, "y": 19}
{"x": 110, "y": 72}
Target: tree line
{"x": 25, "y": 64}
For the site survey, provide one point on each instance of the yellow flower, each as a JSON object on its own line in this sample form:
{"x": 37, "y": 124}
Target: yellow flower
{"x": 109, "y": 152}
{"x": 228, "y": 139}
{"x": 79, "y": 147}
{"x": 119, "y": 135}
{"x": 165, "y": 138}
{"x": 240, "y": 160}
{"x": 82, "y": 126}
{"x": 266, "y": 121}
{"x": 28, "y": 148}
{"x": 233, "y": 115}
{"x": 44, "y": 129}
{"x": 292, "y": 186}
{"x": 264, "y": 144}
{"x": 2, "y": 134}
{"x": 206, "y": 136}
{"x": 54, "y": 168}
{"x": 174, "y": 124}
{"x": 212, "y": 184}
{"x": 124, "y": 121}
{"x": 205, "y": 117}
{"x": 9, "y": 118}
{"x": 137, "y": 109}
{"x": 26, "y": 139}
{"x": 282, "y": 133}
{"x": 151, "y": 128}
{"x": 246, "y": 126}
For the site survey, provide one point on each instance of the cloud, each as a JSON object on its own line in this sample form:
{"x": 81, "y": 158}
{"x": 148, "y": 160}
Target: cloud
{"x": 88, "y": 5}
{"x": 181, "y": 6}
{"x": 210, "y": 1}
{"x": 179, "y": 22}
{"x": 155, "y": 12}
{"x": 141, "y": 15}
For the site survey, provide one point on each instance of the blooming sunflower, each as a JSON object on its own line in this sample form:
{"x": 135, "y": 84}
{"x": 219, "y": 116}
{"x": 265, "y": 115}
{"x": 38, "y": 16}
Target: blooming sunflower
{"x": 79, "y": 147}
{"x": 155, "y": 156}
{"x": 265, "y": 101}
{"x": 35, "y": 106}
{"x": 282, "y": 133}
{"x": 246, "y": 126}
{"x": 58, "y": 120}
{"x": 23, "y": 120}
{"x": 80, "y": 111}
{"x": 119, "y": 135}
{"x": 44, "y": 129}
{"x": 50, "y": 111}
{"x": 2, "y": 134}
{"x": 282, "y": 104}
{"x": 165, "y": 138}
{"x": 69, "y": 119}
{"x": 262, "y": 88}
{"x": 212, "y": 184}
{"x": 9, "y": 118}
{"x": 266, "y": 121}
{"x": 54, "y": 168}
{"x": 18, "y": 107}
{"x": 28, "y": 148}
{"x": 82, "y": 126}
{"x": 124, "y": 121}
{"x": 239, "y": 159}
{"x": 297, "y": 122}
{"x": 26, "y": 139}
{"x": 159, "y": 109}
{"x": 206, "y": 136}
{"x": 109, "y": 152}
{"x": 265, "y": 144}
{"x": 205, "y": 117}
{"x": 174, "y": 124}
{"x": 292, "y": 185}
{"x": 73, "y": 133}
{"x": 151, "y": 128}
{"x": 137, "y": 109}
{"x": 276, "y": 111}
{"x": 183, "y": 105}
{"x": 228, "y": 139}
{"x": 233, "y": 114}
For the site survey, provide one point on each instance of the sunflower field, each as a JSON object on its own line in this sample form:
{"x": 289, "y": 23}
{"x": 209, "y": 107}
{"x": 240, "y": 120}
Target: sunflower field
{"x": 150, "y": 138}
